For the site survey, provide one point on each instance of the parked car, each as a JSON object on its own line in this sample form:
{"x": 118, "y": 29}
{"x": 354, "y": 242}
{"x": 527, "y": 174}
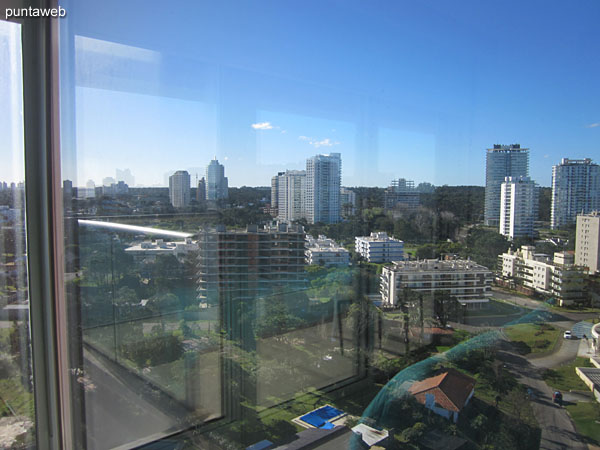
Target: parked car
{"x": 567, "y": 335}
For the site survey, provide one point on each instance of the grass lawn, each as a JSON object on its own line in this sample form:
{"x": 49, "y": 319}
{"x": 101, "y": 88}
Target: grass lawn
{"x": 564, "y": 377}
{"x": 574, "y": 309}
{"x": 14, "y": 394}
{"x": 533, "y": 337}
{"x": 585, "y": 415}
{"x": 411, "y": 250}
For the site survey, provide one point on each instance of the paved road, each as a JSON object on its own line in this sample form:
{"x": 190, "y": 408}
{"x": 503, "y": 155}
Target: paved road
{"x": 119, "y": 412}
{"x": 558, "y": 431}
{"x": 566, "y": 353}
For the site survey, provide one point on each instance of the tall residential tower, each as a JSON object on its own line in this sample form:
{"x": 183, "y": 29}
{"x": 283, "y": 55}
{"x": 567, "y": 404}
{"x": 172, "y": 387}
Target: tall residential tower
{"x": 323, "y": 179}
{"x": 518, "y": 207}
{"x": 179, "y": 189}
{"x": 502, "y": 161}
{"x": 575, "y": 190}
{"x": 216, "y": 182}
{"x": 291, "y": 195}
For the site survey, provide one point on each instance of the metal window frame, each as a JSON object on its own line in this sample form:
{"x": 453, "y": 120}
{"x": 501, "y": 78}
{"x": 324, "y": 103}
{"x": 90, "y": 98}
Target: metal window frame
{"x": 44, "y": 228}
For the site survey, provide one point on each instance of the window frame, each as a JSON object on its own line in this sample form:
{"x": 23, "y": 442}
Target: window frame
{"x": 44, "y": 227}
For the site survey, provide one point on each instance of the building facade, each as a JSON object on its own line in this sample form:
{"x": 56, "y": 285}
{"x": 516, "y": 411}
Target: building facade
{"x": 556, "y": 276}
{"x": 179, "y": 189}
{"x": 275, "y": 192}
{"x": 401, "y": 194}
{"x": 201, "y": 190}
{"x": 587, "y": 242}
{"x": 325, "y": 252}
{"x": 291, "y": 195}
{"x": 518, "y": 207}
{"x": 575, "y": 190}
{"x": 347, "y": 202}
{"x": 379, "y": 248}
{"x": 323, "y": 178}
{"x": 469, "y": 283}
{"x": 217, "y": 185}
{"x": 234, "y": 265}
{"x": 502, "y": 161}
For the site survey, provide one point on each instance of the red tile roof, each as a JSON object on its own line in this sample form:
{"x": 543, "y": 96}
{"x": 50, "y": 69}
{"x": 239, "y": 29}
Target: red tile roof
{"x": 451, "y": 389}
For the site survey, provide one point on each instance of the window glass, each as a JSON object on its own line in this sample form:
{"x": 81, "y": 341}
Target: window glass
{"x": 286, "y": 221}
{"x": 16, "y": 385}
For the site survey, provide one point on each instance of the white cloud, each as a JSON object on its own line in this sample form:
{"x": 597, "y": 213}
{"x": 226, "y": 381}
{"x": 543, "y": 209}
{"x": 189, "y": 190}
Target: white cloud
{"x": 593, "y": 125}
{"x": 262, "y": 126}
{"x": 327, "y": 142}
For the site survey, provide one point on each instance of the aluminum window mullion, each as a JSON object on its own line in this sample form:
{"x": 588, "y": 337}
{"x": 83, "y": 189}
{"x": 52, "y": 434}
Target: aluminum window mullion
{"x": 42, "y": 222}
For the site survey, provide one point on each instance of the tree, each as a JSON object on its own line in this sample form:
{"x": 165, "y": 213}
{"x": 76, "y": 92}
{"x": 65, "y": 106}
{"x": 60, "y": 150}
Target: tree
{"x": 276, "y": 319}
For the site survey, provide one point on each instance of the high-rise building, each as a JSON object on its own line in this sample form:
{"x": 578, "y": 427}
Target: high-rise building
{"x": 502, "y": 161}
{"x": 67, "y": 189}
{"x": 90, "y": 189}
{"x": 126, "y": 176}
{"x": 587, "y": 241}
{"x": 216, "y": 182}
{"x": 401, "y": 194}
{"x": 275, "y": 191}
{"x": 291, "y": 195}
{"x": 323, "y": 178}
{"x": 347, "y": 202}
{"x": 179, "y": 189}
{"x": 201, "y": 190}
{"x": 575, "y": 190}
{"x": 237, "y": 265}
{"x": 108, "y": 181}
{"x": 518, "y": 207}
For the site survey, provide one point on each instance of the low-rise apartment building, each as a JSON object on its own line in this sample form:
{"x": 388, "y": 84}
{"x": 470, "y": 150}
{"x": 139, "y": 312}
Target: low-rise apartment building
{"x": 325, "y": 252}
{"x": 558, "y": 277}
{"x": 379, "y": 248}
{"x": 465, "y": 280}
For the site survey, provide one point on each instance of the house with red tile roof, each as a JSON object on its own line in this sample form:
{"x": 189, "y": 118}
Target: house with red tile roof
{"x": 445, "y": 394}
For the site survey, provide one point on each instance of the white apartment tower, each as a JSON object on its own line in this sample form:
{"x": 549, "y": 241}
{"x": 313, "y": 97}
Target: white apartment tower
{"x": 502, "y": 161}
{"x": 587, "y": 241}
{"x": 518, "y": 207}
{"x": 216, "y": 182}
{"x": 575, "y": 190}
{"x": 179, "y": 189}
{"x": 291, "y": 192}
{"x": 323, "y": 177}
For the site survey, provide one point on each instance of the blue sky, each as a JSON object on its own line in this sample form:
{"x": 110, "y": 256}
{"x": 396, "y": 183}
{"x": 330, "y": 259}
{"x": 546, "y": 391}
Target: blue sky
{"x": 401, "y": 89}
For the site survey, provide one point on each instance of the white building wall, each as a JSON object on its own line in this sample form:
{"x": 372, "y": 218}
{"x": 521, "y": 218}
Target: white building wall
{"x": 587, "y": 242}
{"x": 518, "y": 207}
{"x": 323, "y": 178}
{"x": 379, "y": 248}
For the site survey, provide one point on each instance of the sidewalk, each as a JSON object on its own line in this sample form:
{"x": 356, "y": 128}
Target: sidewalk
{"x": 585, "y": 348}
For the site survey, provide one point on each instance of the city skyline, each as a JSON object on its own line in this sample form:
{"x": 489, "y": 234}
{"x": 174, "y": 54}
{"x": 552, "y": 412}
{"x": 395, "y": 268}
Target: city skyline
{"x": 200, "y": 172}
{"x": 418, "y": 93}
